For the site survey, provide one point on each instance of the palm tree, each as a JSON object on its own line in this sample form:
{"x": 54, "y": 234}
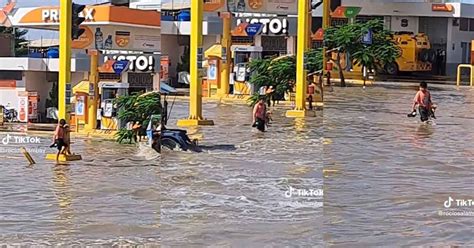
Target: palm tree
{"x": 19, "y": 35}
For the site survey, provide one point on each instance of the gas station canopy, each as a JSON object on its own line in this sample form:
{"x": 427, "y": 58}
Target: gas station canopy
{"x": 107, "y": 27}
{"x": 48, "y": 17}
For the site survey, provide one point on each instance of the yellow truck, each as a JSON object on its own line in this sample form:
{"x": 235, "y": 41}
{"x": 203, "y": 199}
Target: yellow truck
{"x": 416, "y": 54}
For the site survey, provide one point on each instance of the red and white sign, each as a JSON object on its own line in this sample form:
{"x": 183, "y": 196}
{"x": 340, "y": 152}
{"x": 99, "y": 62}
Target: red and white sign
{"x": 442, "y": 7}
{"x": 33, "y": 105}
{"x": 23, "y": 108}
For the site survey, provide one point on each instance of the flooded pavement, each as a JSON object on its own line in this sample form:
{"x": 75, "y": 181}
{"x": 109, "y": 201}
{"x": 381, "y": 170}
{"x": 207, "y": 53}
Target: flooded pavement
{"x": 232, "y": 194}
{"x": 386, "y": 180}
{"x": 235, "y": 197}
{"x": 109, "y": 198}
{"x": 390, "y": 175}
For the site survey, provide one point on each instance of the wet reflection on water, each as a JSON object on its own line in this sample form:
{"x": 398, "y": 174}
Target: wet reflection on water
{"x": 62, "y": 187}
{"x": 391, "y": 174}
{"x": 231, "y": 194}
{"x": 236, "y": 196}
{"x": 109, "y": 198}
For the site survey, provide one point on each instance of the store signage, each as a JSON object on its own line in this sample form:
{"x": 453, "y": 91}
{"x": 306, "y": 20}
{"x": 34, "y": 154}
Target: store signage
{"x": 254, "y": 29}
{"x": 91, "y": 90}
{"x": 141, "y": 63}
{"x": 199, "y": 57}
{"x": 269, "y": 25}
{"x": 120, "y": 66}
{"x": 80, "y": 105}
{"x": 442, "y": 7}
{"x": 346, "y": 12}
{"x": 404, "y": 23}
{"x": 319, "y": 35}
{"x": 23, "y": 107}
{"x": 367, "y": 38}
{"x": 224, "y": 55}
{"x": 114, "y": 85}
{"x": 284, "y": 7}
{"x": 68, "y": 93}
{"x": 122, "y": 38}
{"x": 247, "y": 48}
{"x": 85, "y": 40}
{"x": 147, "y": 42}
{"x": 52, "y": 15}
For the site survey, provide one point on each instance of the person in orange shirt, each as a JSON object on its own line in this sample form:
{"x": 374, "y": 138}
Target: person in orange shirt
{"x": 423, "y": 101}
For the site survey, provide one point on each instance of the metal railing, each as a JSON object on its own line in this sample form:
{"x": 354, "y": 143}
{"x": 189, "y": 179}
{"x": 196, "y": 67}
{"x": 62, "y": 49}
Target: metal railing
{"x": 458, "y": 78}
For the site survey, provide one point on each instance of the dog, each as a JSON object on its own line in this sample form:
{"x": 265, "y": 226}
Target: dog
{"x": 268, "y": 118}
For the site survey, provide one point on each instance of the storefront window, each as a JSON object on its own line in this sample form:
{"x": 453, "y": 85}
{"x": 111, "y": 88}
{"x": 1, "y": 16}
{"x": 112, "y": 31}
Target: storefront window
{"x": 242, "y": 40}
{"x": 140, "y": 81}
{"x": 110, "y": 77}
{"x": 274, "y": 43}
{"x": 464, "y": 24}
{"x": 11, "y": 75}
{"x": 471, "y": 24}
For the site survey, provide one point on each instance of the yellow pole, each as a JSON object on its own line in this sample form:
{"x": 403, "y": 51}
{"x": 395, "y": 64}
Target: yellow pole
{"x": 93, "y": 82}
{"x": 303, "y": 41}
{"x": 64, "y": 59}
{"x": 326, "y": 25}
{"x": 195, "y": 90}
{"x": 225, "y": 43}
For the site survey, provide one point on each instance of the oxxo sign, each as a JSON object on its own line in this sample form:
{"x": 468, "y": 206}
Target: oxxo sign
{"x": 141, "y": 63}
{"x": 52, "y": 15}
{"x": 270, "y": 26}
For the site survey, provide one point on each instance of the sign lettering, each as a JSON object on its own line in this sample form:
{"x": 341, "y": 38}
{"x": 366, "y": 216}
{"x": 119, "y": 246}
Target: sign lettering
{"x": 269, "y": 26}
{"x": 52, "y": 15}
{"x": 137, "y": 63}
{"x": 442, "y": 7}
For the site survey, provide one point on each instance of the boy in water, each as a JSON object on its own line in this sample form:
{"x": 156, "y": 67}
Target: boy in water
{"x": 260, "y": 114}
{"x": 58, "y": 138}
{"x": 423, "y": 101}
{"x": 67, "y": 139}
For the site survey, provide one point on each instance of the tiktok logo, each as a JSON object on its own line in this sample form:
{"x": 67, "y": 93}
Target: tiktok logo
{"x": 6, "y": 140}
{"x": 447, "y": 204}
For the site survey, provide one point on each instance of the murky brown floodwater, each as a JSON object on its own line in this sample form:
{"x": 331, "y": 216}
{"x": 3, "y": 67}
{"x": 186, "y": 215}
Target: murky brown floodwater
{"x": 233, "y": 194}
{"x": 395, "y": 174}
{"x": 386, "y": 178}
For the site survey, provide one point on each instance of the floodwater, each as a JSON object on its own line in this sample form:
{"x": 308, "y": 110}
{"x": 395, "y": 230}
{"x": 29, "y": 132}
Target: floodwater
{"x": 232, "y": 194}
{"x": 109, "y": 198}
{"x": 235, "y": 197}
{"x": 390, "y": 176}
{"x": 386, "y": 178}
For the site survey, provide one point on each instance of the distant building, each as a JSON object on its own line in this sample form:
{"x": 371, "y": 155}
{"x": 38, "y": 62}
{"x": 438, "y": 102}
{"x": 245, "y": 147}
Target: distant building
{"x": 39, "y": 48}
{"x": 6, "y": 45}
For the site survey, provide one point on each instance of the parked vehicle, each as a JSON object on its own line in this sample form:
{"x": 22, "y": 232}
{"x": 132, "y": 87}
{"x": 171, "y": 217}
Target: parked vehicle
{"x": 9, "y": 114}
{"x": 172, "y": 139}
{"x": 416, "y": 54}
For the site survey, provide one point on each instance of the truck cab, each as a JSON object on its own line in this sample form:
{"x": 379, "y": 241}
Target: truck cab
{"x": 416, "y": 54}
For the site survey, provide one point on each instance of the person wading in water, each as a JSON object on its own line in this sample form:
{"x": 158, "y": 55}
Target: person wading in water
{"x": 259, "y": 115}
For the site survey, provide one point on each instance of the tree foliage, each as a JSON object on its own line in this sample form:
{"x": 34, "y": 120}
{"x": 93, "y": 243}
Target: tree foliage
{"x": 280, "y": 72}
{"x": 136, "y": 108}
{"x": 347, "y": 39}
{"x": 19, "y": 35}
{"x": 52, "y": 101}
{"x": 184, "y": 63}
